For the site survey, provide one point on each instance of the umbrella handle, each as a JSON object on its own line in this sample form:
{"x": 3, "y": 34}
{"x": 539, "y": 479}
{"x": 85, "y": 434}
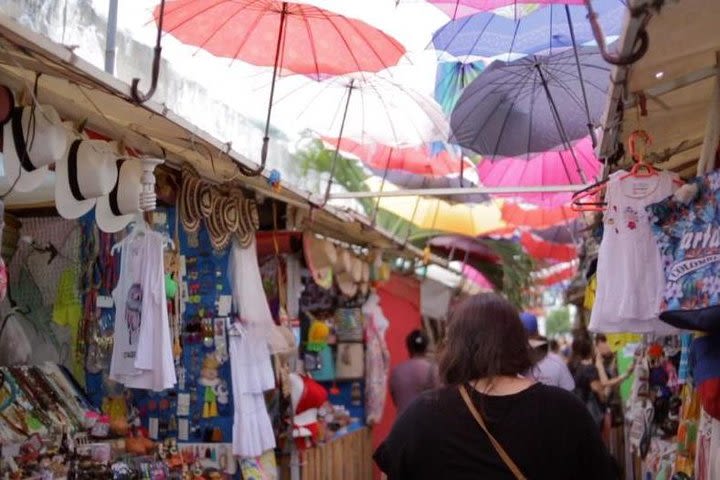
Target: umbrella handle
{"x": 157, "y": 55}
{"x": 642, "y": 42}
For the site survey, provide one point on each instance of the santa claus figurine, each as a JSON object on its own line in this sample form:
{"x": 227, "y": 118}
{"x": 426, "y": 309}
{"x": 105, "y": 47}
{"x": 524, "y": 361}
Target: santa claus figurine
{"x": 307, "y": 397}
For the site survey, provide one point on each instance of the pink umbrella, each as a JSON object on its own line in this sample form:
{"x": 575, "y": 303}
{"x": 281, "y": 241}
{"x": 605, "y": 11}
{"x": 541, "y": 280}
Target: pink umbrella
{"x": 549, "y": 168}
{"x": 464, "y": 8}
{"x": 478, "y": 278}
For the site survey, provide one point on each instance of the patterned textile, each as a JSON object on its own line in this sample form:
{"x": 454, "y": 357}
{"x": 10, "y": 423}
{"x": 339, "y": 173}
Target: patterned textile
{"x": 689, "y": 240}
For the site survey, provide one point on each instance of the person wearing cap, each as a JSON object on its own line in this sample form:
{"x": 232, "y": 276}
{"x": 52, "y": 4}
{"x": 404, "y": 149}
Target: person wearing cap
{"x": 550, "y": 368}
{"x": 415, "y": 375}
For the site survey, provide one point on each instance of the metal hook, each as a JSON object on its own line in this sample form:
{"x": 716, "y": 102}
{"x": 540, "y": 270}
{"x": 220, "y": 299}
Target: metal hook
{"x": 642, "y": 41}
{"x": 136, "y": 95}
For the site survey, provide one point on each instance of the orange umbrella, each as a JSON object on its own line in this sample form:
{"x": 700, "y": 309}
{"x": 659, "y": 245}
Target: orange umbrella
{"x": 536, "y": 217}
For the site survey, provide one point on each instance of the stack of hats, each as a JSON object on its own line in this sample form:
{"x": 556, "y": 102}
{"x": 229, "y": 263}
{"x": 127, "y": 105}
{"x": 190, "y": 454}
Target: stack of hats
{"x": 227, "y": 214}
{"x": 327, "y": 262}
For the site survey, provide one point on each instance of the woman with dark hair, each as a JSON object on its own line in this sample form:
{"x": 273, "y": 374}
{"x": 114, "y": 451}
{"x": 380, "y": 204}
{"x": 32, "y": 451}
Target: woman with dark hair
{"x": 415, "y": 375}
{"x": 489, "y": 421}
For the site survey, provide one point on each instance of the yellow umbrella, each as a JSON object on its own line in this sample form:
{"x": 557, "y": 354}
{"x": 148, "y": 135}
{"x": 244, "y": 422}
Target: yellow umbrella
{"x": 433, "y": 214}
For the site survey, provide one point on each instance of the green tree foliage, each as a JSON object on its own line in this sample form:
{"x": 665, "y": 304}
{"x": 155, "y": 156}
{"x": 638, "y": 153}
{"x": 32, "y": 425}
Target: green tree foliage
{"x": 511, "y": 275}
{"x": 558, "y": 322}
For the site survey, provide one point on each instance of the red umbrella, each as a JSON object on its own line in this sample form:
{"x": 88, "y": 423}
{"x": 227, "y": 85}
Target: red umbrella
{"x": 290, "y": 37}
{"x": 555, "y": 274}
{"x": 418, "y": 160}
{"x": 413, "y": 167}
{"x": 540, "y": 249}
{"x": 536, "y": 217}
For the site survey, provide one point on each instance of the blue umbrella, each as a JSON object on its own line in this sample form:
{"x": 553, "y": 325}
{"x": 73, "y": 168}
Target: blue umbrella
{"x": 533, "y": 104}
{"x": 488, "y": 35}
{"x": 451, "y": 79}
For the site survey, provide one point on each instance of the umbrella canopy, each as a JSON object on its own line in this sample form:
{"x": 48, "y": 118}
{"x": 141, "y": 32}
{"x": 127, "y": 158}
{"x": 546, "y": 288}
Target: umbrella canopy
{"x": 566, "y": 233}
{"x": 536, "y": 217}
{"x": 487, "y": 34}
{"x": 458, "y": 247}
{"x": 451, "y": 79}
{"x": 540, "y": 249}
{"x": 533, "y": 104}
{"x": 420, "y": 160}
{"x": 556, "y": 273}
{"x": 477, "y": 278}
{"x": 366, "y": 109}
{"x": 434, "y": 214}
{"x": 549, "y": 168}
{"x": 314, "y": 41}
{"x": 463, "y": 8}
{"x": 290, "y": 37}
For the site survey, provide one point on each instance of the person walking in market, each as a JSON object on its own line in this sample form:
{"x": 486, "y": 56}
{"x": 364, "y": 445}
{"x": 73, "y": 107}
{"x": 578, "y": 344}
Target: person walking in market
{"x": 549, "y": 367}
{"x": 415, "y": 375}
{"x": 490, "y": 421}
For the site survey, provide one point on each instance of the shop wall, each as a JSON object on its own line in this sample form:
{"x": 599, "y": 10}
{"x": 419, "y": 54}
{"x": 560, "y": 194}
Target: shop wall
{"x": 400, "y": 301}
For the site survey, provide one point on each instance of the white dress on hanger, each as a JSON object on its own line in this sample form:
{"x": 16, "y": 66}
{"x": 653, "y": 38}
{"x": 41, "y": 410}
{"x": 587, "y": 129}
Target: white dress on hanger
{"x": 630, "y": 277}
{"x": 250, "y": 361}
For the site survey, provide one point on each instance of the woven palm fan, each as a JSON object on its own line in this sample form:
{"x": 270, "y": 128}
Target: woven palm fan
{"x": 320, "y": 255}
{"x": 342, "y": 270}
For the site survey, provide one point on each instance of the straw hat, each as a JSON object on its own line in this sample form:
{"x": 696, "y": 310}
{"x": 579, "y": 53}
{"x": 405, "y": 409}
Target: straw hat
{"x": 320, "y": 256}
{"x": 249, "y": 221}
{"x": 188, "y": 201}
{"x": 344, "y": 261}
{"x": 114, "y": 211}
{"x": 33, "y": 139}
{"x": 87, "y": 172}
{"x": 357, "y": 269}
{"x": 365, "y": 278}
{"x": 206, "y": 199}
{"x": 347, "y": 284}
{"x": 230, "y": 211}
{"x": 217, "y": 229}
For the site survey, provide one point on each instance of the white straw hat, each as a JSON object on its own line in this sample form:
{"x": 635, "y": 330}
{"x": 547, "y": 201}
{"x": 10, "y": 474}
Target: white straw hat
{"x": 33, "y": 139}
{"x": 114, "y": 211}
{"x": 87, "y": 172}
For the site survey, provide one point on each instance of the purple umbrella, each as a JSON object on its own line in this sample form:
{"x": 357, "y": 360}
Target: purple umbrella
{"x": 534, "y": 104}
{"x": 487, "y": 34}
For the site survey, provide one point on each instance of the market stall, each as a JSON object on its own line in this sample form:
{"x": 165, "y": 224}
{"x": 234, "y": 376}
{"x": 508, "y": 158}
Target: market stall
{"x": 161, "y": 320}
{"x": 662, "y": 113}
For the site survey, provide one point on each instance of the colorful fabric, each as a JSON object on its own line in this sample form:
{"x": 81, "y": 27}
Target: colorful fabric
{"x": 590, "y": 292}
{"x": 67, "y": 312}
{"x": 689, "y": 240}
